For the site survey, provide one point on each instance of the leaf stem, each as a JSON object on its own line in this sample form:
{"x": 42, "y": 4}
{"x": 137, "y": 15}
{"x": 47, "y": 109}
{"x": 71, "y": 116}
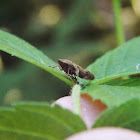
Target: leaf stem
{"x": 76, "y": 99}
{"x": 118, "y": 23}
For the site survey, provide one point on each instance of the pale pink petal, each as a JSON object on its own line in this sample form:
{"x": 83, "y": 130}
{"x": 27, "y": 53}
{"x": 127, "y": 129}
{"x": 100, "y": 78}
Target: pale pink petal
{"x": 90, "y": 110}
{"x": 106, "y": 133}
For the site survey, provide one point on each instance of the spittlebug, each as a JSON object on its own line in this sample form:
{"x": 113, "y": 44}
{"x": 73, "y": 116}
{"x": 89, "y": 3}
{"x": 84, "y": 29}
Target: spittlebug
{"x": 73, "y": 70}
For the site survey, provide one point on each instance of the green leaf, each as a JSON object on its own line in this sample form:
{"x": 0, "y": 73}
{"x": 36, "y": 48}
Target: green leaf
{"x": 19, "y": 48}
{"x": 135, "y": 125}
{"x": 126, "y": 115}
{"x": 38, "y": 121}
{"x": 114, "y": 95}
{"x": 125, "y": 82}
{"x": 124, "y": 60}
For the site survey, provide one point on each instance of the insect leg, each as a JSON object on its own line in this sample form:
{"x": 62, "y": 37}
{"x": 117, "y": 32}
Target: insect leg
{"x": 68, "y": 74}
{"x": 74, "y": 79}
{"x": 71, "y": 76}
{"x": 56, "y": 67}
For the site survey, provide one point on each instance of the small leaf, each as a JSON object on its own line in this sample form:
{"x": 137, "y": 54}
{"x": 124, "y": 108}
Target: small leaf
{"x": 38, "y": 121}
{"x": 115, "y": 94}
{"x": 126, "y": 115}
{"x": 19, "y": 48}
{"x": 124, "y": 60}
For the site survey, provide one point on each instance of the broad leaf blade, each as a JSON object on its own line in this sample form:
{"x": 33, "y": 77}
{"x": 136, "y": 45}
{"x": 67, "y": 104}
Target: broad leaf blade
{"x": 19, "y": 48}
{"x": 122, "y": 116}
{"x": 135, "y": 125}
{"x": 114, "y": 95}
{"x": 58, "y": 112}
{"x": 124, "y": 60}
{"x": 38, "y": 121}
{"x": 125, "y": 82}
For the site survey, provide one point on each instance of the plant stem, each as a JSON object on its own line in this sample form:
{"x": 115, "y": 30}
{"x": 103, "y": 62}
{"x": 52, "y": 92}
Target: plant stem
{"x": 76, "y": 99}
{"x": 118, "y": 23}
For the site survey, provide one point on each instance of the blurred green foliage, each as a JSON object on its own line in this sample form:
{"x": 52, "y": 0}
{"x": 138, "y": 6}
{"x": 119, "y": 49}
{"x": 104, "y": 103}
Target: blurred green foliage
{"x": 83, "y": 32}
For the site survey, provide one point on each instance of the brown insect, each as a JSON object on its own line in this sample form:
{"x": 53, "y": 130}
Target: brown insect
{"x": 73, "y": 70}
